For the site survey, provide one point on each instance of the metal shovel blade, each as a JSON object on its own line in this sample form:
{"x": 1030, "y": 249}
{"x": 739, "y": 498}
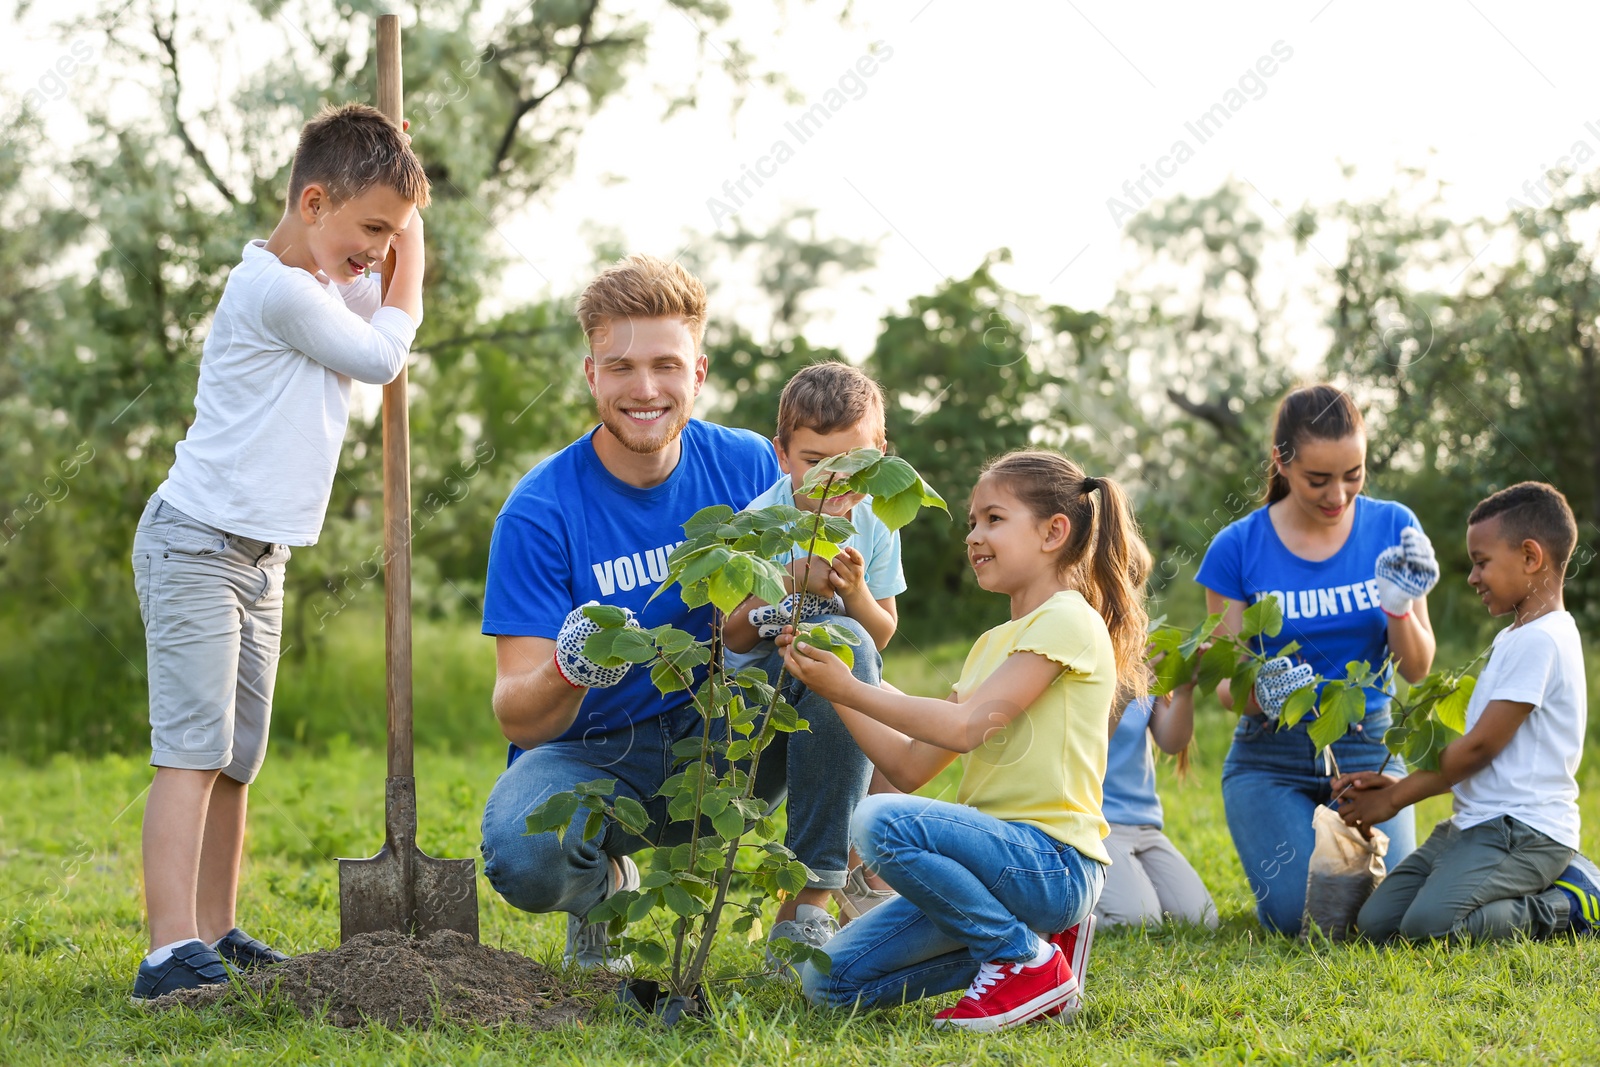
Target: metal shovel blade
{"x": 404, "y": 889}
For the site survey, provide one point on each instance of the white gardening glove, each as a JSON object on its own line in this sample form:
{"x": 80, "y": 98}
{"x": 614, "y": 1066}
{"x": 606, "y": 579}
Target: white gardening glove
{"x": 770, "y": 620}
{"x": 1406, "y": 571}
{"x": 579, "y": 670}
{"x": 1277, "y": 679}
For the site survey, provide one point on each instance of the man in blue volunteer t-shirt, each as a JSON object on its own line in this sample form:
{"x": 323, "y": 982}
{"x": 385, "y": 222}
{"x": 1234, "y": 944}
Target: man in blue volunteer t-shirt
{"x": 596, "y": 522}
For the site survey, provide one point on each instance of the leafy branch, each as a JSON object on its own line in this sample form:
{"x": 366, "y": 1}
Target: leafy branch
{"x": 726, "y": 558}
{"x": 1428, "y": 716}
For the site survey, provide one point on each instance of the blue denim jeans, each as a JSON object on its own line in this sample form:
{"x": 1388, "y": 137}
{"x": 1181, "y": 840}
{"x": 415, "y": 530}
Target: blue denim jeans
{"x": 972, "y": 888}
{"x": 821, "y": 770}
{"x": 1272, "y": 780}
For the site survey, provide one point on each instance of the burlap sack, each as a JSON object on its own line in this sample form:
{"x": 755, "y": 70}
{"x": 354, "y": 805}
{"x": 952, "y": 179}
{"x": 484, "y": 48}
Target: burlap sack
{"x": 1345, "y": 868}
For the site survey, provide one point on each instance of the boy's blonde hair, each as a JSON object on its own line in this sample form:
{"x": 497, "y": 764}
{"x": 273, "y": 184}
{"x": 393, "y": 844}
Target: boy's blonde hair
{"x": 830, "y": 396}
{"x": 349, "y": 149}
{"x": 643, "y": 287}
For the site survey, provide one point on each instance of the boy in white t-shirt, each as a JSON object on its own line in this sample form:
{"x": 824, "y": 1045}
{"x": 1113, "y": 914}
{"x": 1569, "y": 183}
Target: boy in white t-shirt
{"x": 299, "y": 319}
{"x": 1507, "y": 862}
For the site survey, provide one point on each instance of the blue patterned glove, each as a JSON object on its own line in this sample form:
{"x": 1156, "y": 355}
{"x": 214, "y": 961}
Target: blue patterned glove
{"x": 770, "y": 620}
{"x": 1406, "y": 571}
{"x": 579, "y": 670}
{"x": 1277, "y": 679}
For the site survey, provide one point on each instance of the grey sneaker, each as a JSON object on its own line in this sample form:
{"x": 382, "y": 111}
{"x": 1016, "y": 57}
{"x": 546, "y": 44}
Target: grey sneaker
{"x": 811, "y": 925}
{"x": 858, "y": 897}
{"x": 589, "y": 944}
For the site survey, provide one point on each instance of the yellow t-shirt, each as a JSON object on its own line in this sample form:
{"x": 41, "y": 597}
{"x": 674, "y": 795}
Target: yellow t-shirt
{"x": 1046, "y": 766}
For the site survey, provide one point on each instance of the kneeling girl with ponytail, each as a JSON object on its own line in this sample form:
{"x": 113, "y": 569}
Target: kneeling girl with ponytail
{"x": 996, "y": 890}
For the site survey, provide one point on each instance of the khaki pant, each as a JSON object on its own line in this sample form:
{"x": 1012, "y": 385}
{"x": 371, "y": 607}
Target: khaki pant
{"x": 212, "y": 604}
{"x": 1149, "y": 882}
{"x": 1488, "y": 881}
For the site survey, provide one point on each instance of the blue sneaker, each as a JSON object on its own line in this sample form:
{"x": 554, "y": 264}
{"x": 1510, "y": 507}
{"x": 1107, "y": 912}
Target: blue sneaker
{"x": 243, "y": 952}
{"x": 1581, "y": 882}
{"x": 191, "y": 965}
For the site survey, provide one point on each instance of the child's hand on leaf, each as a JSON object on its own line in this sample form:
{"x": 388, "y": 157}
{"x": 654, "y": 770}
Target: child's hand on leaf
{"x": 821, "y": 672}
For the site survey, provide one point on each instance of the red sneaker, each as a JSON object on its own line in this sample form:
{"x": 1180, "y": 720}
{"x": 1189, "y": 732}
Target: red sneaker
{"x": 1007, "y": 992}
{"x": 1074, "y": 943}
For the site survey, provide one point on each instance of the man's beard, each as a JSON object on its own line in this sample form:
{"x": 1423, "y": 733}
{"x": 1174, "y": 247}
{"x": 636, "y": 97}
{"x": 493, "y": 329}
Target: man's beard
{"x": 622, "y": 428}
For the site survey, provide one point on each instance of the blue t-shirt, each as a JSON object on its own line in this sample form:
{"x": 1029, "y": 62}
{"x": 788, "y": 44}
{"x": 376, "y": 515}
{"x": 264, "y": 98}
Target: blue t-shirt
{"x": 1130, "y": 790}
{"x": 879, "y": 547}
{"x": 571, "y": 532}
{"x": 1329, "y": 606}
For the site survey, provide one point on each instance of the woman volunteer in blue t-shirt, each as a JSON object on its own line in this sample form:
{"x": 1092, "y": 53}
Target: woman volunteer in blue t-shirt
{"x": 1316, "y": 546}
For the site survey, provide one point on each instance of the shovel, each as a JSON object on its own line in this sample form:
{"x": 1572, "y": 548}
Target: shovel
{"x": 401, "y": 889}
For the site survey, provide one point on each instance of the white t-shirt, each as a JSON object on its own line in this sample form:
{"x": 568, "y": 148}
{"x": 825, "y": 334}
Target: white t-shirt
{"x": 1534, "y": 778}
{"x": 274, "y": 397}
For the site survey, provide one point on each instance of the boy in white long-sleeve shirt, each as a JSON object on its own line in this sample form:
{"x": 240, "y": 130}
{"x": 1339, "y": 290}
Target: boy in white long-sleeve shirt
{"x": 300, "y": 317}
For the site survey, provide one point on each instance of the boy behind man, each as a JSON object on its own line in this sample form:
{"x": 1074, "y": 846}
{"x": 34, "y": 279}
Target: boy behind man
{"x": 827, "y": 409}
{"x": 1488, "y": 871}
{"x": 296, "y": 323}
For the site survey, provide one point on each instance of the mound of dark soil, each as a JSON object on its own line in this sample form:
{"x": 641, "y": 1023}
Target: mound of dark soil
{"x": 400, "y": 981}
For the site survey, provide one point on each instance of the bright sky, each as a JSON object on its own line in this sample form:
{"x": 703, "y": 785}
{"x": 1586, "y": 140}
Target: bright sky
{"x": 966, "y": 134}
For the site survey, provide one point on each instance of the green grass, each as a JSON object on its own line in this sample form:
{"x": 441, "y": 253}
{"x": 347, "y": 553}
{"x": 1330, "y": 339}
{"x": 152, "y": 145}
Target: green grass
{"x": 73, "y": 929}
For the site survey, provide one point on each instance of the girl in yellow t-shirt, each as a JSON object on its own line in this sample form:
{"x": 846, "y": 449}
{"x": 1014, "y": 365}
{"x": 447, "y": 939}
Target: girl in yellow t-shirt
{"x": 995, "y": 889}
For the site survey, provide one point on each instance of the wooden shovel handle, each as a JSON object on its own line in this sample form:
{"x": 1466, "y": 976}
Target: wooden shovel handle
{"x": 396, "y": 477}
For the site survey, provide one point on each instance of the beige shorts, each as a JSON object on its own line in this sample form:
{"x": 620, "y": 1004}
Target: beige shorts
{"x": 212, "y": 604}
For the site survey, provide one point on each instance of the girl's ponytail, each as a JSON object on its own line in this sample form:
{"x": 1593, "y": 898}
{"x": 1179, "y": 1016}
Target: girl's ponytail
{"x": 1112, "y": 567}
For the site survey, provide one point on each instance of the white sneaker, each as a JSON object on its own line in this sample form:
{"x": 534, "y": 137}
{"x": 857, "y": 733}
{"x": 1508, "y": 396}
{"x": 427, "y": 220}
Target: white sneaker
{"x": 858, "y": 897}
{"x": 811, "y": 925}
{"x": 589, "y": 944}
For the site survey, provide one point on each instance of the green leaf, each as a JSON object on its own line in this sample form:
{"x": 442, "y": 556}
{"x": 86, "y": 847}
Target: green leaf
{"x": 729, "y": 823}
{"x": 1297, "y": 704}
{"x": 768, "y": 581}
{"x": 1173, "y": 670}
{"x": 835, "y": 528}
{"x": 1271, "y": 617}
{"x": 1199, "y": 634}
{"x": 656, "y": 955}
{"x": 1217, "y": 663}
{"x": 1452, "y": 710}
{"x": 631, "y": 814}
{"x": 707, "y": 520}
{"x": 681, "y": 901}
{"x": 792, "y": 876}
{"x": 889, "y": 476}
{"x": 898, "y": 510}
{"x": 641, "y": 905}
{"x": 554, "y": 814}
{"x": 1325, "y": 730}
{"x": 705, "y": 565}
{"x": 605, "y": 615}
{"x": 681, "y": 807}
{"x": 784, "y": 716}
{"x": 1164, "y": 639}
{"x": 666, "y": 679}
{"x": 731, "y": 584}
{"x": 612, "y": 648}
{"x": 714, "y": 804}
{"x": 841, "y": 467}
{"x": 594, "y": 824}
{"x": 1244, "y": 679}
